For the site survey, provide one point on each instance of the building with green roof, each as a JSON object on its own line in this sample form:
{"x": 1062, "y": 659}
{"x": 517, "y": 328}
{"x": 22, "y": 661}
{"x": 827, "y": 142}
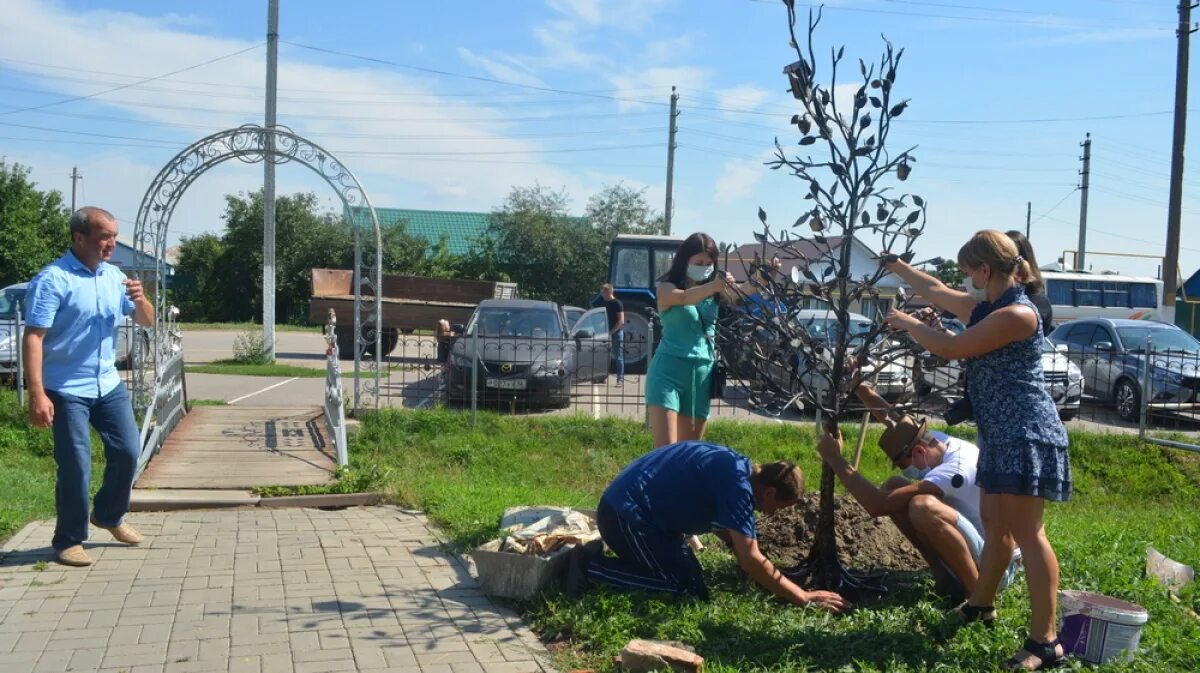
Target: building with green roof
{"x": 461, "y": 230}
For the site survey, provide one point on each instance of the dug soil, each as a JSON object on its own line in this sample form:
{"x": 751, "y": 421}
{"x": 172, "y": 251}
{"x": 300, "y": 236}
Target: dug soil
{"x": 863, "y": 543}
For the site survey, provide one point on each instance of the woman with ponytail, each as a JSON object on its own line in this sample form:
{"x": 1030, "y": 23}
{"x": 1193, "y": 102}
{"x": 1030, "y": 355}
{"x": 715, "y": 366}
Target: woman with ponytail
{"x": 1023, "y": 458}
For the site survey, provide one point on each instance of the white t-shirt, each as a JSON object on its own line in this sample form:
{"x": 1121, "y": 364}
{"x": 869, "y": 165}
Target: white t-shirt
{"x": 956, "y": 477}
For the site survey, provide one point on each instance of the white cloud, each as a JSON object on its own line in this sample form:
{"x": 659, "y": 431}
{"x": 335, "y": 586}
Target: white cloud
{"x": 359, "y": 114}
{"x": 744, "y": 97}
{"x": 654, "y": 84}
{"x": 738, "y": 179}
{"x": 560, "y": 40}
{"x": 628, "y": 15}
{"x": 516, "y": 73}
{"x": 670, "y": 49}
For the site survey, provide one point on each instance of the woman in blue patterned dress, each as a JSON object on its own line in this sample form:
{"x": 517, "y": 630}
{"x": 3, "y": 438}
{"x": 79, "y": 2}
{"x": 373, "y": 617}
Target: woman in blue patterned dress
{"x": 1023, "y": 446}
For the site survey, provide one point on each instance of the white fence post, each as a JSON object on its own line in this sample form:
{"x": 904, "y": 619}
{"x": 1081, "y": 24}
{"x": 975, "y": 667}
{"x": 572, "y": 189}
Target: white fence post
{"x": 335, "y": 408}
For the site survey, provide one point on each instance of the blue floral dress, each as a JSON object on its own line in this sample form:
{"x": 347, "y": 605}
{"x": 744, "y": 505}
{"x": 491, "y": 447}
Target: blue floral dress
{"x": 1022, "y": 441}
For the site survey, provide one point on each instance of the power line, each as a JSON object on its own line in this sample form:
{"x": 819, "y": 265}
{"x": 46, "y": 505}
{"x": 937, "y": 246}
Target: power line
{"x": 981, "y": 19}
{"x": 1055, "y": 206}
{"x": 259, "y": 89}
{"x": 131, "y": 84}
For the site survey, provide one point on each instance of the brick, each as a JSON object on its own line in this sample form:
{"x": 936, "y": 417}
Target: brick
{"x": 135, "y": 655}
{"x": 245, "y": 664}
{"x": 308, "y": 656}
{"x": 34, "y": 641}
{"x": 325, "y": 666}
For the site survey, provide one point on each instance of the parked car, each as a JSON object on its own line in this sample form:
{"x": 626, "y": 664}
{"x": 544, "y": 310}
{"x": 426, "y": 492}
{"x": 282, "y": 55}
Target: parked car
{"x": 787, "y": 369}
{"x": 1064, "y": 381}
{"x": 1111, "y": 353}
{"x": 525, "y": 351}
{"x": 13, "y": 295}
{"x": 572, "y": 314}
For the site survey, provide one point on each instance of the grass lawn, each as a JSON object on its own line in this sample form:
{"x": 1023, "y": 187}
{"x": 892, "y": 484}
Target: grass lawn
{"x": 1128, "y": 496}
{"x": 27, "y": 474}
{"x": 245, "y": 326}
{"x": 273, "y": 369}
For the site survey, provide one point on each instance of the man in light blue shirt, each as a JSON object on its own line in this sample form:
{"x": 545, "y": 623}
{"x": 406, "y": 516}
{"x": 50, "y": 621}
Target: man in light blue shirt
{"x": 72, "y": 311}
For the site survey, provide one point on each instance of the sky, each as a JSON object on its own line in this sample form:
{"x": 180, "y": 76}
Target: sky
{"x": 447, "y": 106}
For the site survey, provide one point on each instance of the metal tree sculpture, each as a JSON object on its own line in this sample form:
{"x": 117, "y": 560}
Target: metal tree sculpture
{"x": 843, "y": 161}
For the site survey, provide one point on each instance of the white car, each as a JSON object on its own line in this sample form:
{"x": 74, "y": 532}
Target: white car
{"x": 13, "y": 295}
{"x": 891, "y": 380}
{"x": 1064, "y": 380}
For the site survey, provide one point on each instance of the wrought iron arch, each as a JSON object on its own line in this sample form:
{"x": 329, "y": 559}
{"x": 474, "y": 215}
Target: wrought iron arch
{"x": 252, "y": 144}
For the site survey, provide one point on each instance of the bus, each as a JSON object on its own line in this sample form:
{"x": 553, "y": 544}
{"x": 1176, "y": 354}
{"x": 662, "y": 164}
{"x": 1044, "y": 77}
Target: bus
{"x": 1079, "y": 294}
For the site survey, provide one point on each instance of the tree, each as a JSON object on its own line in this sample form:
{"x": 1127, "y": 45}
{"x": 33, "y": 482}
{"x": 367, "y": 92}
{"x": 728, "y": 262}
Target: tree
{"x": 34, "y": 225}
{"x": 948, "y": 271}
{"x": 549, "y": 254}
{"x": 618, "y": 209}
{"x": 845, "y": 166}
{"x": 193, "y": 287}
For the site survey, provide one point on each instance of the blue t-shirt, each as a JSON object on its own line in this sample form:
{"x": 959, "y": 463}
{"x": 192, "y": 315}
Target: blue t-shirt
{"x": 80, "y": 310}
{"x": 686, "y": 488}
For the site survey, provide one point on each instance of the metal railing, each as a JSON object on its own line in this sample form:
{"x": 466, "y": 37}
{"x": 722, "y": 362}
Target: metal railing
{"x": 1170, "y": 397}
{"x": 335, "y": 408}
{"x": 167, "y": 404}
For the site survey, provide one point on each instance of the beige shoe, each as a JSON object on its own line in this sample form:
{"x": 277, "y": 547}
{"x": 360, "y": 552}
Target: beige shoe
{"x": 123, "y": 533}
{"x": 74, "y": 556}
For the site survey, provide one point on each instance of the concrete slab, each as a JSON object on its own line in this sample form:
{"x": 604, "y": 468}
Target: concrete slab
{"x": 168, "y": 499}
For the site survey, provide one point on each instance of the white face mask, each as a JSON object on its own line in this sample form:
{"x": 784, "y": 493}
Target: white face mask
{"x": 699, "y": 272}
{"x": 978, "y": 294}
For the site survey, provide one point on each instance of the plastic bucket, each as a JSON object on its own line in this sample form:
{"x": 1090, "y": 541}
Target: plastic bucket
{"x": 1097, "y": 628}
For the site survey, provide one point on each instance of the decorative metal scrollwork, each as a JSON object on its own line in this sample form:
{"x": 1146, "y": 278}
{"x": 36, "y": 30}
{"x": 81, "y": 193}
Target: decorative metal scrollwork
{"x": 253, "y": 144}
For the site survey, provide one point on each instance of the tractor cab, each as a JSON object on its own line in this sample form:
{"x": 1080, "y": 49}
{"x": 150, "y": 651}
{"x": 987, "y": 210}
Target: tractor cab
{"x": 636, "y": 263}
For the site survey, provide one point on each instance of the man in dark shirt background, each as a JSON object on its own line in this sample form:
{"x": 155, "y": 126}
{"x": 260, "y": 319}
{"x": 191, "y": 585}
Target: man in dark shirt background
{"x": 616, "y": 320}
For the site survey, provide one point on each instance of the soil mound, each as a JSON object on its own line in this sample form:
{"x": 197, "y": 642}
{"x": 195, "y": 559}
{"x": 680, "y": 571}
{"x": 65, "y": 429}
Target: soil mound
{"x": 863, "y": 543}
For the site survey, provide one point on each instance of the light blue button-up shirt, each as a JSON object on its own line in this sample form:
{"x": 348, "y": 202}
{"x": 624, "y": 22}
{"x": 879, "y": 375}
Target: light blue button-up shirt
{"x": 80, "y": 310}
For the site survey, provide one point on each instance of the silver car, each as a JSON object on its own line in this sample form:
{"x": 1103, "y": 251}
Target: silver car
{"x": 1112, "y": 356}
{"x": 14, "y": 295}
{"x": 1064, "y": 380}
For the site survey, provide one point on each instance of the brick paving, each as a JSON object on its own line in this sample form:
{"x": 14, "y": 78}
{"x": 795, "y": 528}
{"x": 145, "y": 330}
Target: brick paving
{"x": 257, "y": 591}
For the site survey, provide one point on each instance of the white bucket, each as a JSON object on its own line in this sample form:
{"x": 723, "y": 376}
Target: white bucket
{"x": 1097, "y": 628}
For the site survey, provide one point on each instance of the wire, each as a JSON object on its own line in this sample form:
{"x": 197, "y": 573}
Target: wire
{"x": 259, "y": 89}
{"x": 1091, "y": 229}
{"x": 131, "y": 84}
{"x": 1055, "y": 206}
{"x": 983, "y": 19}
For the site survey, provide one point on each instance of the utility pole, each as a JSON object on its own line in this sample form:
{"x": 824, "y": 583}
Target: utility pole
{"x": 268, "y": 286}
{"x": 670, "y": 163}
{"x": 75, "y": 177}
{"x": 1081, "y": 255}
{"x": 1028, "y": 211}
{"x": 1174, "y": 206}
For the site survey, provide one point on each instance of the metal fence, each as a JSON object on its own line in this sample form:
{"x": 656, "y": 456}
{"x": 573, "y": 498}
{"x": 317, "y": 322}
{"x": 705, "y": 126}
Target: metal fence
{"x": 532, "y": 374}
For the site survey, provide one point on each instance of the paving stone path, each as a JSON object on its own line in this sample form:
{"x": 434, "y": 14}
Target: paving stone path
{"x": 257, "y": 591}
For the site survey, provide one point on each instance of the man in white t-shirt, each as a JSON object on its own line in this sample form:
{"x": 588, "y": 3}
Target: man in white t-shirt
{"x": 935, "y": 504}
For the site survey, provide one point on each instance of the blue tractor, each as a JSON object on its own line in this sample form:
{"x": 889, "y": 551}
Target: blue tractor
{"x": 636, "y": 263}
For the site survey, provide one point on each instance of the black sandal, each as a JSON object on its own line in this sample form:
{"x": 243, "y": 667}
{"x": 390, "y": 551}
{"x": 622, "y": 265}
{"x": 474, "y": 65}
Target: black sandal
{"x": 968, "y": 613}
{"x": 1046, "y": 654}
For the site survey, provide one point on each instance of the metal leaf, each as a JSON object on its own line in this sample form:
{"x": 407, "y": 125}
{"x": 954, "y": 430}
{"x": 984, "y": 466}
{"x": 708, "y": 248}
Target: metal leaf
{"x": 865, "y": 121}
{"x": 808, "y": 140}
{"x": 866, "y": 219}
{"x": 760, "y": 237}
{"x": 875, "y": 102}
{"x": 837, "y": 170}
{"x": 801, "y": 220}
{"x": 881, "y": 213}
{"x": 762, "y": 215}
{"x": 919, "y": 201}
{"x": 912, "y": 217}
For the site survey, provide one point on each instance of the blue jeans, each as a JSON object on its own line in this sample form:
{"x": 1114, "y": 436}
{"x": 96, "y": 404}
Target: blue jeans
{"x": 618, "y": 353}
{"x": 646, "y": 559}
{"x": 112, "y": 416}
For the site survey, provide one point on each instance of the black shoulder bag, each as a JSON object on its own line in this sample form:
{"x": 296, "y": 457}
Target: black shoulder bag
{"x": 717, "y": 390}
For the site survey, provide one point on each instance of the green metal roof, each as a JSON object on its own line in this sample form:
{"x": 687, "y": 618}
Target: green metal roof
{"x": 460, "y": 229}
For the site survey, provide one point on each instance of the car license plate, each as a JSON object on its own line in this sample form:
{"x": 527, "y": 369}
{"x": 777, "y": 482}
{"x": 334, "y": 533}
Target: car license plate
{"x": 506, "y": 384}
